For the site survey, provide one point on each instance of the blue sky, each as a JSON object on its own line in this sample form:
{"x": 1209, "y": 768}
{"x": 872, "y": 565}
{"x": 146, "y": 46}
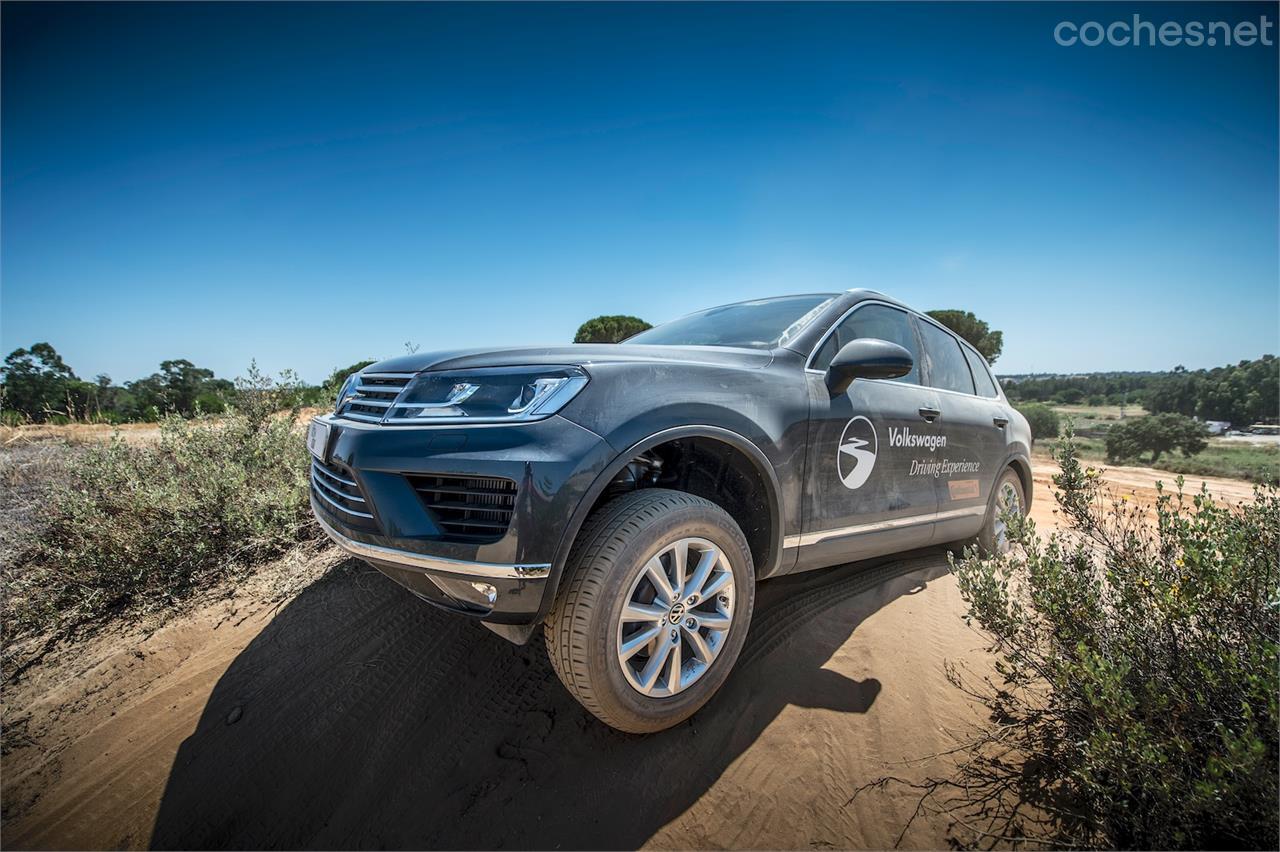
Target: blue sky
{"x": 313, "y": 185}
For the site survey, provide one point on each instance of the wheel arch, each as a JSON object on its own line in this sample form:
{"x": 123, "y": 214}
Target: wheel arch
{"x": 1022, "y": 466}
{"x": 743, "y": 447}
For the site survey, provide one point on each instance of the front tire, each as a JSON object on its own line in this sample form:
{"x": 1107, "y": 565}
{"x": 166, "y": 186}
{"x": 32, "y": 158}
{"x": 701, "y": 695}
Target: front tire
{"x": 658, "y": 598}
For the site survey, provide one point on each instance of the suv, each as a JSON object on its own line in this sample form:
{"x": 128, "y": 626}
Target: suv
{"x": 628, "y": 497}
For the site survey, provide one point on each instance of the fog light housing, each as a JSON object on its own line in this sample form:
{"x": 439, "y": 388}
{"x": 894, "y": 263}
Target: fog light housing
{"x": 487, "y": 590}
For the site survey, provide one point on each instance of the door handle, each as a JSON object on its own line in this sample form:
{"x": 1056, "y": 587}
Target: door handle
{"x": 1000, "y": 421}
{"x": 930, "y": 414}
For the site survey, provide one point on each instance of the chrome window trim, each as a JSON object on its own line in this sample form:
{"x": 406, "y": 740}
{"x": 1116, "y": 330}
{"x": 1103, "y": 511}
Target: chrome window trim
{"x": 822, "y": 341}
{"x": 959, "y": 340}
{"x": 991, "y": 374}
{"x": 818, "y": 536}
{"x": 808, "y": 364}
{"x": 423, "y": 562}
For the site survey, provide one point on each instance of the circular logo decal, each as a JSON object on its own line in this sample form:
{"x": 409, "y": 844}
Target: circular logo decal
{"x": 857, "y": 454}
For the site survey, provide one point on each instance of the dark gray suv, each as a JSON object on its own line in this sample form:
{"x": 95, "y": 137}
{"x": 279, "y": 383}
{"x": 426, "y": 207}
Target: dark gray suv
{"x": 627, "y": 498}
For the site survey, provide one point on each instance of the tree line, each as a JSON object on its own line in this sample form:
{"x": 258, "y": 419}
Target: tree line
{"x": 38, "y": 386}
{"x": 1240, "y": 394}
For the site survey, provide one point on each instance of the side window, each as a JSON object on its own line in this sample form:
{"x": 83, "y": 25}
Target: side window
{"x": 981, "y": 374}
{"x": 947, "y": 367}
{"x": 879, "y": 321}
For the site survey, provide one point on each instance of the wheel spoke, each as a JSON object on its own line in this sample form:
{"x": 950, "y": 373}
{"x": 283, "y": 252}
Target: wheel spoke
{"x": 673, "y": 674}
{"x": 680, "y": 561}
{"x": 716, "y": 620}
{"x": 644, "y": 612}
{"x": 658, "y": 576}
{"x": 718, "y": 582}
{"x": 706, "y": 562}
{"x": 701, "y": 651}
{"x": 653, "y": 668}
{"x": 635, "y": 643}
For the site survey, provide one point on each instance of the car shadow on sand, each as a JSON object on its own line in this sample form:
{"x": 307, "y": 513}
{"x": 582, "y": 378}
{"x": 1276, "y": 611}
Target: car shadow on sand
{"x": 361, "y": 717}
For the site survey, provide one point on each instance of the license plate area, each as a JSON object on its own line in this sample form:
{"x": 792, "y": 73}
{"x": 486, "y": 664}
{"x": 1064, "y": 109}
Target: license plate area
{"x": 318, "y": 439}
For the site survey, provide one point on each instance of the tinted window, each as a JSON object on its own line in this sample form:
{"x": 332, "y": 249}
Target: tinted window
{"x": 981, "y": 375}
{"x": 947, "y": 367}
{"x": 761, "y": 324}
{"x": 878, "y": 321}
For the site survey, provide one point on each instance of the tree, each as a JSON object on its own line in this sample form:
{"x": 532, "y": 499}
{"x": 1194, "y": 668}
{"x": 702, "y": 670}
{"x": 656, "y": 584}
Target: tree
{"x": 610, "y": 329}
{"x": 37, "y": 381}
{"x": 180, "y": 387}
{"x": 1071, "y": 396}
{"x": 337, "y": 377}
{"x": 978, "y": 333}
{"x": 1157, "y": 434}
{"x": 1042, "y": 419}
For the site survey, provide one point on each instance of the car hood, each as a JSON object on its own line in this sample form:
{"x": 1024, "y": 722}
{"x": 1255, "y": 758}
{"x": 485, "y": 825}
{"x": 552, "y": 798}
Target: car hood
{"x": 578, "y": 354}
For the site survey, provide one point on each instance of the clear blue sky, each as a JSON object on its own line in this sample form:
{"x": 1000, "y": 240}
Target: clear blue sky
{"x": 313, "y": 185}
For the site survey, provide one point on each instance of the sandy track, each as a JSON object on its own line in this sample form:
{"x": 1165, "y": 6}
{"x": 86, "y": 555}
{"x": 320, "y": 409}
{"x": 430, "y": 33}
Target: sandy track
{"x": 355, "y": 716}
{"x": 366, "y": 719}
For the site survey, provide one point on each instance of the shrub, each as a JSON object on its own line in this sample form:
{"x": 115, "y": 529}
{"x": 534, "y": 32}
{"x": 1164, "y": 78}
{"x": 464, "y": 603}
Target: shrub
{"x": 1157, "y": 434}
{"x": 1138, "y": 657}
{"x": 1042, "y": 419}
{"x": 132, "y": 526}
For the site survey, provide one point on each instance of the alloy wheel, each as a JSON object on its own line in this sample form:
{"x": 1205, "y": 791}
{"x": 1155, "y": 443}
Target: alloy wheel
{"x": 677, "y": 615}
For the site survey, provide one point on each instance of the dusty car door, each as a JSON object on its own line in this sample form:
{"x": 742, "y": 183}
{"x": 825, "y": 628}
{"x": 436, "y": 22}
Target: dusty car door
{"x": 863, "y": 494}
{"x": 973, "y": 427}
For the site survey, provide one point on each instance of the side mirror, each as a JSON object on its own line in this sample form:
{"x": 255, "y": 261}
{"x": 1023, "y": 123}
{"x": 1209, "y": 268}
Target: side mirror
{"x": 867, "y": 358}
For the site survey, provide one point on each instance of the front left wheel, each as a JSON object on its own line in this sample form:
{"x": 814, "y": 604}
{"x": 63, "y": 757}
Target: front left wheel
{"x": 658, "y": 598}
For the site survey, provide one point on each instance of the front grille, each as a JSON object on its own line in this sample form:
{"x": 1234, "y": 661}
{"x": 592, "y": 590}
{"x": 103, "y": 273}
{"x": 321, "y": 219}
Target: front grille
{"x": 336, "y": 488}
{"x": 468, "y": 508}
{"x": 374, "y": 394}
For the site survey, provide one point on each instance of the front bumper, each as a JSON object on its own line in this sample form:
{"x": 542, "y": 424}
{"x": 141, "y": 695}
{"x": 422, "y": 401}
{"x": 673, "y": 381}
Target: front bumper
{"x": 502, "y": 581}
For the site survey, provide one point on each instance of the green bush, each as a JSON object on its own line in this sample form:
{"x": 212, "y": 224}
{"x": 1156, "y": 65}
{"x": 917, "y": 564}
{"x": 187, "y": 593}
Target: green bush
{"x": 1157, "y": 434}
{"x": 1137, "y": 663}
{"x": 610, "y": 329}
{"x": 132, "y": 526}
{"x": 1042, "y": 419}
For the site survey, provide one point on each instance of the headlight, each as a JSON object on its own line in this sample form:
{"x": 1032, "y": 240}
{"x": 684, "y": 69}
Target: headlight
{"x": 347, "y": 391}
{"x": 488, "y": 395}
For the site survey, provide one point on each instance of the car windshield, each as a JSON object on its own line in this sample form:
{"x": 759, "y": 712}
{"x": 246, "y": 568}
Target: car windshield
{"x": 761, "y": 324}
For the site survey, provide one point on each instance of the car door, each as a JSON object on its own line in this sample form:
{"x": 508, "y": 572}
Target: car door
{"x": 971, "y": 427}
{"x": 863, "y": 494}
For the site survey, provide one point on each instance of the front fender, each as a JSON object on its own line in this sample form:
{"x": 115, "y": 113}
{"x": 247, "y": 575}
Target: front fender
{"x": 602, "y": 480}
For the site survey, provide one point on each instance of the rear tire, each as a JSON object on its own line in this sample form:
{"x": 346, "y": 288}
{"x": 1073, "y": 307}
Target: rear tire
{"x": 1007, "y": 494}
{"x": 639, "y": 658}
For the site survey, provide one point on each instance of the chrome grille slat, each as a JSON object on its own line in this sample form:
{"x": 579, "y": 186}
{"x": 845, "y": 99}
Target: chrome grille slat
{"x": 375, "y": 394}
{"x": 341, "y": 507}
{"x": 336, "y": 493}
{"x": 341, "y": 493}
{"x": 332, "y": 475}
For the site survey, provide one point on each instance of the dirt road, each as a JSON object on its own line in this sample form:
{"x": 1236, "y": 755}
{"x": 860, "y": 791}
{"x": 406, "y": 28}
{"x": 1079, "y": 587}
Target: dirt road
{"x": 354, "y": 716}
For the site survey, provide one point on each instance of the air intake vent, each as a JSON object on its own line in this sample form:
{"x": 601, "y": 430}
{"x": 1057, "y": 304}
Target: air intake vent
{"x": 374, "y": 394}
{"x": 468, "y": 508}
{"x": 337, "y": 491}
